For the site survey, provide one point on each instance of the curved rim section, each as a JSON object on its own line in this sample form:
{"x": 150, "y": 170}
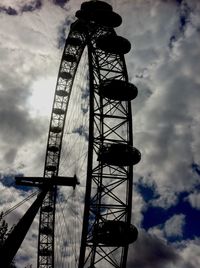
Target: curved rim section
{"x": 72, "y": 53}
{"x": 110, "y": 123}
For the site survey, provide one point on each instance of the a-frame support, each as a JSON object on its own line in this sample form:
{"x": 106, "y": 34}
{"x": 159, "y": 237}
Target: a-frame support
{"x": 16, "y": 237}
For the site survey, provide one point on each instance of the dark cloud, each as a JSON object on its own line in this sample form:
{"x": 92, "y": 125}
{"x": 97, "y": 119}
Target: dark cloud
{"x": 16, "y": 124}
{"x": 8, "y": 180}
{"x": 172, "y": 41}
{"x": 60, "y": 3}
{"x": 28, "y": 7}
{"x": 10, "y": 155}
{"x": 179, "y": 1}
{"x": 150, "y": 252}
{"x": 62, "y": 33}
{"x": 184, "y": 16}
{"x": 8, "y": 10}
{"x": 82, "y": 130}
{"x": 32, "y": 6}
{"x": 17, "y": 127}
{"x": 196, "y": 168}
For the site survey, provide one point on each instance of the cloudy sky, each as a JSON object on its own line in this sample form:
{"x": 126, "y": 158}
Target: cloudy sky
{"x": 163, "y": 64}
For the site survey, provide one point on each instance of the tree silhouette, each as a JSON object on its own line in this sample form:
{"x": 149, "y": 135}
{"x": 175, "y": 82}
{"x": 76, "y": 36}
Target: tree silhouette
{"x": 4, "y": 232}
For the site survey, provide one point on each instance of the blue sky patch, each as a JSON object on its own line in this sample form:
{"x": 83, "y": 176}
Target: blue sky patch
{"x": 9, "y": 11}
{"x": 148, "y": 192}
{"x": 196, "y": 168}
{"x": 60, "y": 3}
{"x": 32, "y": 7}
{"x": 8, "y": 180}
{"x": 154, "y": 216}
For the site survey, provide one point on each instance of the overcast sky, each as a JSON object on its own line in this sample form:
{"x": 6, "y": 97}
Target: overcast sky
{"x": 164, "y": 64}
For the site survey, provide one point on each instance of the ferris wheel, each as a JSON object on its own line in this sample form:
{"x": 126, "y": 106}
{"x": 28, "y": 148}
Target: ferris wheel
{"x": 106, "y": 227}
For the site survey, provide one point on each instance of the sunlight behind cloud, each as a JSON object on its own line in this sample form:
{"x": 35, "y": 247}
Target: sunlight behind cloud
{"x": 42, "y": 96}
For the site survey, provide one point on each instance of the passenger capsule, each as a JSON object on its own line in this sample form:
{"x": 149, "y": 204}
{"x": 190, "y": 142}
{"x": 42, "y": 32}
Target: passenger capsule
{"x": 69, "y": 58}
{"x": 53, "y": 148}
{"x": 58, "y": 111}
{"x": 46, "y": 230}
{"x": 73, "y": 41}
{"x": 51, "y": 168}
{"x": 118, "y": 90}
{"x": 93, "y": 6}
{"x": 55, "y": 129}
{"x": 117, "y": 154}
{"x": 47, "y": 209}
{"x": 45, "y": 252}
{"x": 78, "y": 26}
{"x": 115, "y": 233}
{"x": 104, "y": 18}
{"x": 62, "y": 93}
{"x": 113, "y": 44}
{"x": 65, "y": 75}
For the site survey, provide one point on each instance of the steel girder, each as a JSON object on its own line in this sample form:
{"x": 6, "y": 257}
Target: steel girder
{"x": 109, "y": 188}
{"x": 74, "y": 47}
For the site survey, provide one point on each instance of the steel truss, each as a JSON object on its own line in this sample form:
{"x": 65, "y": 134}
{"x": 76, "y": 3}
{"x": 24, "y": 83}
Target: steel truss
{"x": 74, "y": 47}
{"x": 108, "y": 187}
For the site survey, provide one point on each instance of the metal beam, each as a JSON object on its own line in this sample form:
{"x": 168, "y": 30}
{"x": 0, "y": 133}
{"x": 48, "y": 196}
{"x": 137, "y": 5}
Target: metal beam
{"x": 49, "y": 182}
{"x": 14, "y": 240}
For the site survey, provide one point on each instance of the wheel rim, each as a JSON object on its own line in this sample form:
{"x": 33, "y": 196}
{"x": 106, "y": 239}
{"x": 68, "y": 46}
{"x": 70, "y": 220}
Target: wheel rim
{"x": 109, "y": 186}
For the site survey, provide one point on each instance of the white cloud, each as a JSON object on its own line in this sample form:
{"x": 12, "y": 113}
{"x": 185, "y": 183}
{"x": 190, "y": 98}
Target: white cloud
{"x": 138, "y": 206}
{"x": 166, "y": 199}
{"x": 194, "y": 199}
{"x": 157, "y": 231}
{"x": 150, "y": 251}
{"x": 166, "y": 112}
{"x": 174, "y": 226}
{"x": 190, "y": 252}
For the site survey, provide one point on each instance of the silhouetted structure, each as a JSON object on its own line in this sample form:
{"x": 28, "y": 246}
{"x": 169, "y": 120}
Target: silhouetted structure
{"x": 107, "y": 229}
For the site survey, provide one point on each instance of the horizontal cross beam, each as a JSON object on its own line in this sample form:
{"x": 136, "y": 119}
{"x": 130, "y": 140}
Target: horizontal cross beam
{"x": 47, "y": 182}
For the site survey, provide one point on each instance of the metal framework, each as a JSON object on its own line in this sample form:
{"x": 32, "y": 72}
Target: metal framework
{"x": 108, "y": 187}
{"x": 107, "y": 230}
{"x": 71, "y": 56}
{"x": 110, "y": 122}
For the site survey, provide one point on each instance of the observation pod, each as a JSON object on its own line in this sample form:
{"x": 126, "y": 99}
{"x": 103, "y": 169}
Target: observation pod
{"x": 100, "y": 13}
{"x": 53, "y": 148}
{"x": 92, "y": 6}
{"x": 45, "y": 252}
{"x": 65, "y": 75}
{"x": 47, "y": 209}
{"x": 78, "y": 26}
{"x": 73, "y": 41}
{"x": 99, "y": 16}
{"x": 62, "y": 93}
{"x": 58, "y": 111}
{"x": 118, "y": 90}
{"x": 51, "y": 168}
{"x": 56, "y": 129}
{"x": 115, "y": 233}
{"x": 113, "y": 44}
{"x": 119, "y": 155}
{"x": 46, "y": 230}
{"x": 69, "y": 58}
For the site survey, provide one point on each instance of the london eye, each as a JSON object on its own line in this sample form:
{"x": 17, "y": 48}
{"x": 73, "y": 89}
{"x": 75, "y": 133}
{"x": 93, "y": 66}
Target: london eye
{"x": 107, "y": 231}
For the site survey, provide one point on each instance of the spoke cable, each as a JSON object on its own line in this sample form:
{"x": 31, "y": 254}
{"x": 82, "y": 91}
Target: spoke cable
{"x": 20, "y": 203}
